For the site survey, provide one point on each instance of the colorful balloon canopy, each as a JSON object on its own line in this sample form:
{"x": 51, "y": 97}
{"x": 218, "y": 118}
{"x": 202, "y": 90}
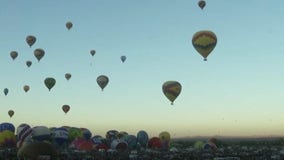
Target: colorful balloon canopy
{"x": 102, "y": 81}
{"x": 7, "y": 139}
{"x": 26, "y": 88}
{"x": 171, "y": 90}
{"x": 69, "y": 25}
{"x": 49, "y": 82}
{"x": 30, "y": 39}
{"x": 93, "y": 52}
{"x": 60, "y": 136}
{"x": 204, "y": 42}
{"x": 11, "y": 113}
{"x": 123, "y": 58}
{"x": 165, "y": 139}
{"x": 28, "y": 63}
{"x": 142, "y": 138}
{"x": 65, "y": 108}
{"x": 14, "y": 54}
{"x": 6, "y": 91}
{"x": 39, "y": 53}
{"x": 7, "y": 126}
{"x": 155, "y": 142}
{"x": 201, "y": 4}
{"x": 37, "y": 150}
{"x": 68, "y": 76}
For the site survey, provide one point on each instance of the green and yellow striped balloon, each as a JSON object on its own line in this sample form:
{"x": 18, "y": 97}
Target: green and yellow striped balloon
{"x": 204, "y": 42}
{"x": 172, "y": 90}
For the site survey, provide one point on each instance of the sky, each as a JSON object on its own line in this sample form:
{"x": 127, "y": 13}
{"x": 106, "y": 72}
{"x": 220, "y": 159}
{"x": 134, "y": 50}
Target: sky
{"x": 237, "y": 92}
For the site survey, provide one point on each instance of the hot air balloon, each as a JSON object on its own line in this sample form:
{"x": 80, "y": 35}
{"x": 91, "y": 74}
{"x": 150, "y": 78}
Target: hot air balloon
{"x": 28, "y": 63}
{"x": 102, "y": 81}
{"x": 142, "y": 138}
{"x": 11, "y": 113}
{"x": 69, "y": 25}
{"x": 171, "y": 90}
{"x": 37, "y": 150}
{"x": 26, "y": 88}
{"x": 14, "y": 54}
{"x": 60, "y": 136}
{"x": 123, "y": 58}
{"x": 7, "y": 139}
{"x": 92, "y": 52}
{"x": 154, "y": 142}
{"x": 49, "y": 82}
{"x": 65, "y": 108}
{"x": 7, "y": 126}
{"x": 30, "y": 40}
{"x": 6, "y": 90}
{"x": 204, "y": 42}
{"x": 165, "y": 139}
{"x": 201, "y": 4}
{"x": 39, "y": 53}
{"x": 67, "y": 76}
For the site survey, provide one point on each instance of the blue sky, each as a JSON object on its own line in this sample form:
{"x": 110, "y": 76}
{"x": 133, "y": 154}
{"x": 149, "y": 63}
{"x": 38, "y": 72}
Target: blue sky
{"x": 238, "y": 91}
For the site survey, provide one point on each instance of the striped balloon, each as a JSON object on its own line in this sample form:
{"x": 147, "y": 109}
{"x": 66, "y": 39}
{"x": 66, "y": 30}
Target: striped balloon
{"x": 172, "y": 90}
{"x": 204, "y": 42}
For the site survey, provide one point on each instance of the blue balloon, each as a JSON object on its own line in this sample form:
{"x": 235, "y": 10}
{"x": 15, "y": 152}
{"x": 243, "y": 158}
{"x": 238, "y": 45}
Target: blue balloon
{"x": 131, "y": 141}
{"x": 142, "y": 138}
{"x": 60, "y": 136}
{"x": 7, "y": 126}
{"x": 86, "y": 134}
{"x": 97, "y": 139}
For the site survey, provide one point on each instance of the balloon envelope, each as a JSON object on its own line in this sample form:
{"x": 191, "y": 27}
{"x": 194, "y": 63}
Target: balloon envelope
{"x": 28, "y": 63}
{"x": 171, "y": 90}
{"x": 142, "y": 138}
{"x": 102, "y": 81}
{"x": 11, "y": 113}
{"x": 39, "y": 53}
{"x": 65, "y": 108}
{"x": 154, "y": 142}
{"x": 201, "y": 4}
{"x": 92, "y": 52}
{"x": 14, "y": 54}
{"x": 204, "y": 42}
{"x": 123, "y": 58}
{"x": 35, "y": 150}
{"x": 26, "y": 88}
{"x": 69, "y": 25}
{"x": 6, "y": 91}
{"x": 30, "y": 40}
{"x": 7, "y": 126}
{"x": 49, "y": 82}
{"x": 7, "y": 139}
{"x": 68, "y": 76}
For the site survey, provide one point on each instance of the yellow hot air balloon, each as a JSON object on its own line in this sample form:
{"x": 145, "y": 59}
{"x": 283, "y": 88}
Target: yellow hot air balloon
{"x": 204, "y": 42}
{"x": 171, "y": 90}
